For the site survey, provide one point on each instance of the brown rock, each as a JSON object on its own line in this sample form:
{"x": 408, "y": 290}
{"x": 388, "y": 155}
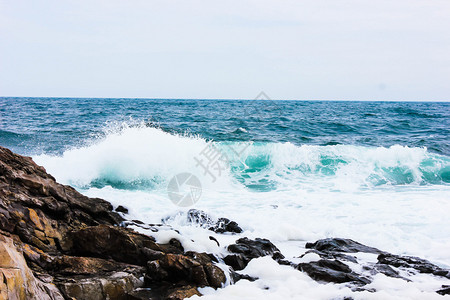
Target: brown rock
{"x": 115, "y": 286}
{"x": 183, "y": 293}
{"x": 89, "y": 265}
{"x": 120, "y": 244}
{"x": 17, "y": 280}
{"x": 216, "y": 277}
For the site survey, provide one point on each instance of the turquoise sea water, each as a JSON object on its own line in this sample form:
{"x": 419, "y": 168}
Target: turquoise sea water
{"x": 34, "y": 126}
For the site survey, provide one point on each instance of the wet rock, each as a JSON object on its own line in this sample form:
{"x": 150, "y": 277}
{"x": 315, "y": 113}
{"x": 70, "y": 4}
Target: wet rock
{"x": 116, "y": 286}
{"x": 142, "y": 294}
{"x": 216, "y": 277}
{"x": 112, "y": 242}
{"x": 332, "y": 255}
{"x": 67, "y": 265}
{"x": 246, "y": 250}
{"x": 151, "y": 254}
{"x": 334, "y": 251}
{"x": 225, "y": 225}
{"x": 418, "y": 264}
{"x": 182, "y": 293}
{"x": 120, "y": 244}
{"x": 385, "y": 269}
{"x": 237, "y": 262}
{"x": 199, "y": 217}
{"x": 331, "y": 271}
{"x": 235, "y": 277}
{"x": 220, "y": 225}
{"x": 341, "y": 245}
{"x": 444, "y": 291}
{"x": 215, "y": 240}
{"x": 198, "y": 270}
{"x": 202, "y": 257}
{"x": 122, "y": 209}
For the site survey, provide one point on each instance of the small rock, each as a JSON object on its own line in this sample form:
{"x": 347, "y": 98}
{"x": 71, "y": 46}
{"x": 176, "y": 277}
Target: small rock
{"x": 122, "y": 209}
{"x": 235, "y": 277}
{"x": 215, "y": 240}
{"x": 225, "y": 225}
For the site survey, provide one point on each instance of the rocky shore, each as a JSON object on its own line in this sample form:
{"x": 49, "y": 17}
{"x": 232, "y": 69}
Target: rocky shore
{"x": 56, "y": 243}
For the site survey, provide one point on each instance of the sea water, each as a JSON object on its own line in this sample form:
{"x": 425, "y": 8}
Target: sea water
{"x": 289, "y": 171}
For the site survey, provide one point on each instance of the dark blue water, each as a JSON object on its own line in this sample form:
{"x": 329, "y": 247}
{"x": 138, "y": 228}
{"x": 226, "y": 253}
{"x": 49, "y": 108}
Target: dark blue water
{"x": 51, "y": 125}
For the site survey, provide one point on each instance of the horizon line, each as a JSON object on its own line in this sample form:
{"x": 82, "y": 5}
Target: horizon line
{"x": 220, "y": 99}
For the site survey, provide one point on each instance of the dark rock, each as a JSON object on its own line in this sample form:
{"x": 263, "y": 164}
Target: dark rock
{"x": 203, "y": 258}
{"x": 237, "y": 262}
{"x": 247, "y": 250}
{"x": 285, "y": 262}
{"x": 331, "y": 271}
{"x": 182, "y": 293}
{"x": 215, "y": 240}
{"x": 235, "y": 277}
{"x": 143, "y": 294}
{"x": 176, "y": 246}
{"x": 197, "y": 269}
{"x": 386, "y": 270}
{"x": 155, "y": 272}
{"x": 199, "y": 217}
{"x": 117, "y": 243}
{"x": 333, "y": 251}
{"x": 332, "y": 255}
{"x": 89, "y": 266}
{"x": 341, "y": 245}
{"x": 225, "y": 225}
{"x": 421, "y": 265}
{"x": 221, "y": 225}
{"x": 444, "y": 291}
{"x": 122, "y": 209}
{"x": 151, "y": 254}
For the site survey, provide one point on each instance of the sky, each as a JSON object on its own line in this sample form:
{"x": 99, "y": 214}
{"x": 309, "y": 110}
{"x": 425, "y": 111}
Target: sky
{"x": 306, "y": 50}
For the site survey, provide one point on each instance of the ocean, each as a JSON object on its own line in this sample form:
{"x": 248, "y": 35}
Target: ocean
{"x": 289, "y": 171}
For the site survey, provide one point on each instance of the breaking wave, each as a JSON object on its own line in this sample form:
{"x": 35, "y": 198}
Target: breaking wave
{"x": 146, "y": 157}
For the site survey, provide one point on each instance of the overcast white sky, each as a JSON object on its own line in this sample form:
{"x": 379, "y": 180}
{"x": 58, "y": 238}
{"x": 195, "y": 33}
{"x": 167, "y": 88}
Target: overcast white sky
{"x": 318, "y": 49}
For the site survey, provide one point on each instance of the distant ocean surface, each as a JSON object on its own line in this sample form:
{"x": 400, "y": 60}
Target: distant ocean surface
{"x": 295, "y": 171}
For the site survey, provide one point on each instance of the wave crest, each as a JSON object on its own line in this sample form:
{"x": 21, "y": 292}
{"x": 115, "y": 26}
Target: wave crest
{"x": 145, "y": 157}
